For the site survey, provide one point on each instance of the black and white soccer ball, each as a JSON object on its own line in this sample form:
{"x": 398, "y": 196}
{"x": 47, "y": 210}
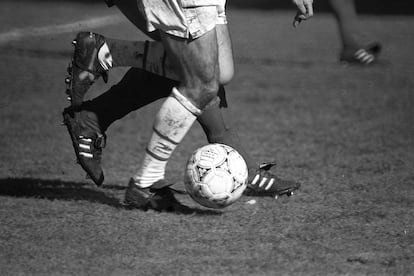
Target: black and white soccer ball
{"x": 216, "y": 175}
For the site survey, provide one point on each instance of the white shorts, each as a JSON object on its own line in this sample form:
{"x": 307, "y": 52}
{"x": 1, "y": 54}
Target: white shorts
{"x": 183, "y": 18}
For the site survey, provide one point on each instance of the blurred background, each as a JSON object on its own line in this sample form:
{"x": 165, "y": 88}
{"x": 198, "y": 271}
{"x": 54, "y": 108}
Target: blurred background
{"x": 364, "y": 6}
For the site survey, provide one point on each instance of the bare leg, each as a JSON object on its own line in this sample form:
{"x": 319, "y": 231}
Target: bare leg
{"x": 347, "y": 19}
{"x": 197, "y": 64}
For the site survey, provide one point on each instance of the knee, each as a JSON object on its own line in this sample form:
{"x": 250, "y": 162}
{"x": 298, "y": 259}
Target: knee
{"x": 201, "y": 91}
{"x": 207, "y": 92}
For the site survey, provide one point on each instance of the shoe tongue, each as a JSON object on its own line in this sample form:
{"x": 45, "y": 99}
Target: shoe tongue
{"x": 105, "y": 57}
{"x": 267, "y": 166}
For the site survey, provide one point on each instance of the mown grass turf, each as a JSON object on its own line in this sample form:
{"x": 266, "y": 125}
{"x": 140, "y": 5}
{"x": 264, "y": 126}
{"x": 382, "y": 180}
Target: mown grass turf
{"x": 345, "y": 132}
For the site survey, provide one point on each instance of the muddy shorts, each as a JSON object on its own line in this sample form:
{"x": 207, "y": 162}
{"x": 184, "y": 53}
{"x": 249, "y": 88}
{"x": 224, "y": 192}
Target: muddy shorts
{"x": 183, "y": 18}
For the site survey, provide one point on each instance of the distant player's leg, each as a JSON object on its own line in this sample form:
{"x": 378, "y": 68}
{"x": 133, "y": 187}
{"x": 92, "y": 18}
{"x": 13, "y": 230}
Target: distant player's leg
{"x": 350, "y": 33}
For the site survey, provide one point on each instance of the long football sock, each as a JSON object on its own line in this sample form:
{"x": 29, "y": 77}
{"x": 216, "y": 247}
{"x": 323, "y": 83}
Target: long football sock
{"x": 174, "y": 119}
{"x": 217, "y": 131}
{"x": 147, "y": 55}
{"x": 136, "y": 89}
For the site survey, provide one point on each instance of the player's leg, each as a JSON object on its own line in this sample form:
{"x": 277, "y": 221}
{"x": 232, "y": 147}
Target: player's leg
{"x": 83, "y": 126}
{"x": 128, "y": 95}
{"x": 196, "y": 61}
{"x": 215, "y": 122}
{"x": 347, "y": 19}
{"x": 95, "y": 54}
{"x": 88, "y": 124}
{"x": 213, "y": 119}
{"x": 136, "y": 89}
{"x": 97, "y": 115}
{"x": 214, "y": 125}
{"x": 350, "y": 33}
{"x": 92, "y": 59}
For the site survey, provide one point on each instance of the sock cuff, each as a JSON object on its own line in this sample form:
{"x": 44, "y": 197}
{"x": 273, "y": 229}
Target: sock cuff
{"x": 185, "y": 102}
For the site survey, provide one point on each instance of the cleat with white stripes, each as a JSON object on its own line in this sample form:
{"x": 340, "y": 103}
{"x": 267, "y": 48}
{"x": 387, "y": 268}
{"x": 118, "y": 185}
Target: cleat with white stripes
{"x": 88, "y": 146}
{"x": 362, "y": 56}
{"x": 85, "y": 67}
{"x": 264, "y": 183}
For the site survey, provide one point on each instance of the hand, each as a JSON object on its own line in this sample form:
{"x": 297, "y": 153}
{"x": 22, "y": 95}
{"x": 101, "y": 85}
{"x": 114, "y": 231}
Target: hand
{"x": 305, "y": 11}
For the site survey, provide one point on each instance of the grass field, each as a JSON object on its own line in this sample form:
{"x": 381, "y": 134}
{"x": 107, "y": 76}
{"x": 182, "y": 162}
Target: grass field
{"x": 346, "y": 133}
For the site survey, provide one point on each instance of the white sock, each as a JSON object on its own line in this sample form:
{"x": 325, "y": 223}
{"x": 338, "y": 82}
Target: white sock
{"x": 174, "y": 119}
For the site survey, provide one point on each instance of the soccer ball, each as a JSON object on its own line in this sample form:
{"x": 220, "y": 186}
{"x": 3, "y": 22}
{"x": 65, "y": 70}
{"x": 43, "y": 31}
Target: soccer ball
{"x": 215, "y": 176}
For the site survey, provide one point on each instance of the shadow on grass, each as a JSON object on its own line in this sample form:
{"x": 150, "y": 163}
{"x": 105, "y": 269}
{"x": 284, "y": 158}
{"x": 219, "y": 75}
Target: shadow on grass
{"x": 61, "y": 190}
{"x": 55, "y": 190}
